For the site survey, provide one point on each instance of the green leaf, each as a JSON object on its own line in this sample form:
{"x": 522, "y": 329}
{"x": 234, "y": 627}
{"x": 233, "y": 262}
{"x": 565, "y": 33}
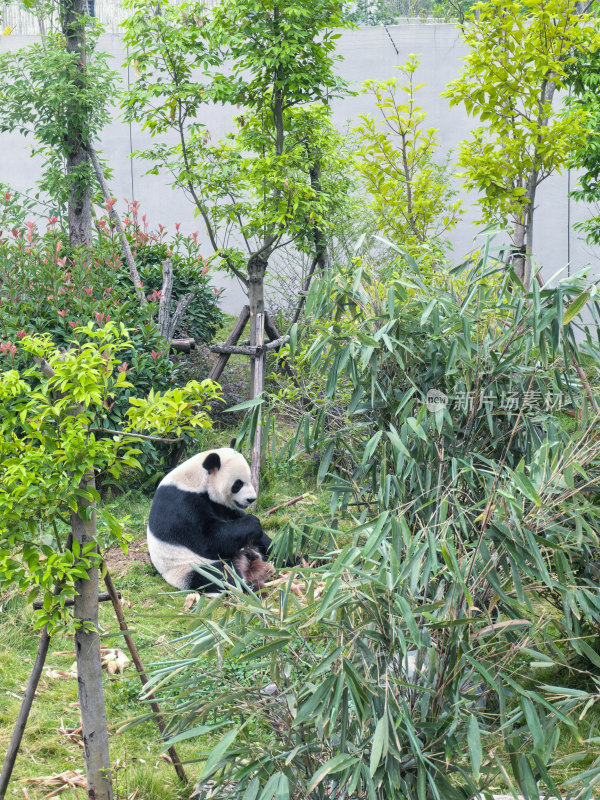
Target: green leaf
{"x": 336, "y": 764}
{"x": 474, "y": 742}
{"x": 217, "y": 753}
{"x": 253, "y": 403}
{"x": 379, "y": 745}
{"x": 572, "y": 310}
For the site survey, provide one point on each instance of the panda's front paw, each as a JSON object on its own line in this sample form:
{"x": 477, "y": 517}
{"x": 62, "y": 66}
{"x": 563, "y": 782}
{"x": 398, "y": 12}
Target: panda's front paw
{"x": 255, "y": 530}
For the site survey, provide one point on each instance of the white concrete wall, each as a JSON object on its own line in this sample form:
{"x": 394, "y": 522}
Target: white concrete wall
{"x": 367, "y": 53}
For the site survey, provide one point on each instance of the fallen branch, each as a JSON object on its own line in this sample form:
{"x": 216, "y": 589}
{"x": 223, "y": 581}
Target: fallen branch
{"x": 183, "y": 345}
{"x": 288, "y": 503}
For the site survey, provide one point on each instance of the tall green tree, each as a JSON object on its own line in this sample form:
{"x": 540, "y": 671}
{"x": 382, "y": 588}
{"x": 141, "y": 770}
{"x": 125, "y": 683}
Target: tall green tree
{"x": 519, "y": 54}
{"x": 56, "y": 92}
{"x": 272, "y": 182}
{"x": 50, "y": 91}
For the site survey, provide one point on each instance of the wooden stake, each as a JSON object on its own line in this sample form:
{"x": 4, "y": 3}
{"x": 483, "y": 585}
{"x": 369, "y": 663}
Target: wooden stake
{"x": 26, "y": 703}
{"x": 102, "y": 598}
{"x": 28, "y": 697}
{"x": 248, "y": 349}
{"x": 257, "y": 389}
{"x": 233, "y": 337}
{"x": 114, "y": 596}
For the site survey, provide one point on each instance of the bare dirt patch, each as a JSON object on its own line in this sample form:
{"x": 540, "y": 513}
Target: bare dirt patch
{"x": 118, "y": 562}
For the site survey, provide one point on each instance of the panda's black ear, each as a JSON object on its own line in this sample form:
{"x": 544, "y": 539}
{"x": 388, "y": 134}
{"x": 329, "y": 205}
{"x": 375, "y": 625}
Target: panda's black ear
{"x": 212, "y": 462}
{"x": 232, "y": 444}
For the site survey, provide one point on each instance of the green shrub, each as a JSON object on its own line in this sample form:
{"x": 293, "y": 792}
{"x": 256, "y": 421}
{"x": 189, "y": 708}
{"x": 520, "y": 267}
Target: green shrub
{"x": 46, "y": 287}
{"x": 203, "y": 316}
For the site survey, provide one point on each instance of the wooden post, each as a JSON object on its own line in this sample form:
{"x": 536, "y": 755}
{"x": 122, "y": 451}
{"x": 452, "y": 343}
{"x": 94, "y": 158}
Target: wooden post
{"x": 167, "y": 324}
{"x": 235, "y": 334}
{"x": 26, "y": 703}
{"x": 114, "y": 596}
{"x": 257, "y": 389}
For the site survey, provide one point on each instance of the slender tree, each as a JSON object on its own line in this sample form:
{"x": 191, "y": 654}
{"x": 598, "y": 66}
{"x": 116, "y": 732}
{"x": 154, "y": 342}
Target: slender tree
{"x": 272, "y": 182}
{"x": 519, "y": 54}
{"x": 56, "y": 91}
{"x": 411, "y": 196}
{"x": 50, "y": 419}
{"x": 72, "y": 13}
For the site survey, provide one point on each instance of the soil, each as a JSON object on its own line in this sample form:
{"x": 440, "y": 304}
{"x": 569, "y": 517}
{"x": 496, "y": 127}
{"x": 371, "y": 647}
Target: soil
{"x": 118, "y": 562}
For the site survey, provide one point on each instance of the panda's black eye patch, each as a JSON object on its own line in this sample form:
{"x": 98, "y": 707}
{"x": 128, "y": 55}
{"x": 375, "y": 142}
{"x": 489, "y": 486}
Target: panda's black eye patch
{"x": 237, "y": 486}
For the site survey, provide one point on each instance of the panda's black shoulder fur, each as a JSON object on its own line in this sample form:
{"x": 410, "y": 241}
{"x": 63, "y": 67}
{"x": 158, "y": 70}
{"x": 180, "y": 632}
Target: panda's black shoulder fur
{"x": 193, "y": 520}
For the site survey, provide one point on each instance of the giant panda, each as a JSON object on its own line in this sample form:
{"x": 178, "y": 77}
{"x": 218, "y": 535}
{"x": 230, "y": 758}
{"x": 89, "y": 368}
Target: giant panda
{"x": 198, "y": 517}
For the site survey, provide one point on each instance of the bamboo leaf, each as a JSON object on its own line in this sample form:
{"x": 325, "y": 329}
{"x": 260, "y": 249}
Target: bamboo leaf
{"x": 474, "y": 743}
{"x": 572, "y": 310}
{"x": 336, "y": 764}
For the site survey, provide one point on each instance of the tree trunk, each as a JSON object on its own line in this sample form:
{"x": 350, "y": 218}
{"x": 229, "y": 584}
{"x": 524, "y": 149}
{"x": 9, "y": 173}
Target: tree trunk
{"x": 78, "y": 171}
{"x": 321, "y": 254}
{"x": 523, "y": 229}
{"x": 89, "y": 664}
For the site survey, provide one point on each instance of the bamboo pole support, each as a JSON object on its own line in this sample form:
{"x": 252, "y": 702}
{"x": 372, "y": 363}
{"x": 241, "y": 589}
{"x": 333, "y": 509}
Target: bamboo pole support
{"x": 257, "y": 390}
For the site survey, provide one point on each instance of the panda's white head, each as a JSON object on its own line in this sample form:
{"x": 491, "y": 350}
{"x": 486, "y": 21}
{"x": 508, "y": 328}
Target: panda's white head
{"x": 222, "y": 473}
{"x": 229, "y": 478}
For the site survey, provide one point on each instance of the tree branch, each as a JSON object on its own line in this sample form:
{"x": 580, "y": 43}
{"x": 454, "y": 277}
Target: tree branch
{"x": 133, "y": 272}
